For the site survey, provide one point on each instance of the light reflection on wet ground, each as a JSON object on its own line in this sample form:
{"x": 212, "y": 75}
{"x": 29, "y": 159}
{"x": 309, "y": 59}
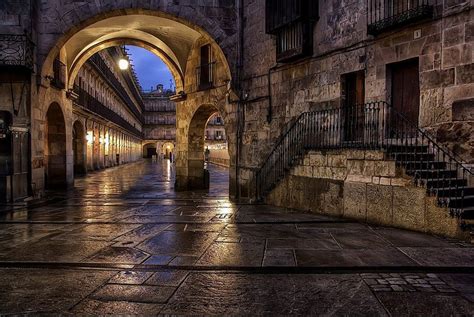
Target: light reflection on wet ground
{"x": 124, "y": 242}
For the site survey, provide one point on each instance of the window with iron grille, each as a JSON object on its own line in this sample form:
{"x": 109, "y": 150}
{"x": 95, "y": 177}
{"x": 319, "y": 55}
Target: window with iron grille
{"x": 292, "y": 22}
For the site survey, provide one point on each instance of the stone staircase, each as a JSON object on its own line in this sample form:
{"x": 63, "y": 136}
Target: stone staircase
{"x": 378, "y": 127}
{"x": 441, "y": 177}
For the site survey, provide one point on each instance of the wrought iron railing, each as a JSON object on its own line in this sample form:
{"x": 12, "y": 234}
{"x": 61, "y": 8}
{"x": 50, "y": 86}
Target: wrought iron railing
{"x": 16, "y": 50}
{"x": 373, "y": 126}
{"x": 205, "y": 76}
{"x": 92, "y": 104}
{"x": 384, "y": 14}
{"x": 109, "y": 76}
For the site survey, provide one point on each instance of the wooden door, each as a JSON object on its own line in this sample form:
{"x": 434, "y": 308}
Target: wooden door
{"x": 405, "y": 93}
{"x": 353, "y": 95}
{"x": 205, "y": 76}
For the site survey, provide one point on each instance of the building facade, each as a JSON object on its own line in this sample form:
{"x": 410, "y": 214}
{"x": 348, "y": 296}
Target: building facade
{"x": 160, "y": 125}
{"x": 344, "y": 75}
{"x": 107, "y": 128}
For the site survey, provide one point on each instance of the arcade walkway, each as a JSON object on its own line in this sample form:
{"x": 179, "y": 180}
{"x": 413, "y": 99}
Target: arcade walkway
{"x": 123, "y": 242}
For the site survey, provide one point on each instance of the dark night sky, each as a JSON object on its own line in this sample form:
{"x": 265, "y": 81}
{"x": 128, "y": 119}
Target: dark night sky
{"x": 150, "y": 68}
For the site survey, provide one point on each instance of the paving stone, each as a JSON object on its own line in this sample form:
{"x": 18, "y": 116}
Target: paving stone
{"x": 232, "y": 254}
{"x": 130, "y": 277}
{"x": 279, "y": 257}
{"x": 441, "y": 256}
{"x": 49, "y": 291}
{"x": 158, "y": 260}
{"x": 184, "y": 260}
{"x": 97, "y": 307}
{"x": 376, "y": 257}
{"x": 167, "y": 278}
{"x": 342, "y": 295}
{"x": 178, "y": 243}
{"x": 118, "y": 255}
{"x": 134, "y": 293}
{"x": 427, "y": 304}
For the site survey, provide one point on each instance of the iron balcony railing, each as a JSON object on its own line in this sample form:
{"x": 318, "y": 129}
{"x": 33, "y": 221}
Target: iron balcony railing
{"x": 92, "y": 104}
{"x": 109, "y": 76}
{"x": 281, "y": 13}
{"x": 205, "y": 76}
{"x": 16, "y": 50}
{"x": 160, "y": 137}
{"x": 373, "y": 126}
{"x": 385, "y": 14}
{"x": 149, "y": 110}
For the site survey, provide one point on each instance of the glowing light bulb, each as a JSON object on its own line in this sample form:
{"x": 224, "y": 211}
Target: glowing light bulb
{"x": 123, "y": 64}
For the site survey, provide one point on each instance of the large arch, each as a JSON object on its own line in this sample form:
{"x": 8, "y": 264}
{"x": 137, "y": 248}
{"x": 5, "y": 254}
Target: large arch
{"x": 55, "y": 148}
{"x": 174, "y": 35}
{"x": 149, "y": 149}
{"x": 167, "y": 149}
{"x": 197, "y": 178}
{"x": 168, "y": 36}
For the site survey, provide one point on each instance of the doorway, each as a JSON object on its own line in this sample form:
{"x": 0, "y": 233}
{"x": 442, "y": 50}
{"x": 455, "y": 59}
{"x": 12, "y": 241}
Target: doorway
{"x": 405, "y": 92}
{"x": 55, "y": 148}
{"x": 78, "y": 145}
{"x": 353, "y": 99}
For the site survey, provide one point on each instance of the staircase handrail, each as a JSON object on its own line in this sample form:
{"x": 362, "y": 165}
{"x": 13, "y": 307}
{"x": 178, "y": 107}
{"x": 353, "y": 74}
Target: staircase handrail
{"x": 451, "y": 155}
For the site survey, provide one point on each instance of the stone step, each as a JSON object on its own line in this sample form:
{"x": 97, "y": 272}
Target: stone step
{"x": 454, "y": 192}
{"x": 408, "y": 148}
{"x": 445, "y": 182}
{"x": 431, "y": 173}
{"x": 461, "y": 202}
{"x": 413, "y": 156}
{"x": 468, "y": 214}
{"x": 410, "y": 165}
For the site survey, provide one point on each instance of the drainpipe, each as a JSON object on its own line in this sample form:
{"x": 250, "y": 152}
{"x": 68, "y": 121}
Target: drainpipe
{"x": 240, "y": 104}
{"x": 269, "y": 89}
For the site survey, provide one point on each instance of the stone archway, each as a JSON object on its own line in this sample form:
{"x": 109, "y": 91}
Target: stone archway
{"x": 55, "y": 148}
{"x": 149, "y": 149}
{"x": 167, "y": 149}
{"x": 156, "y": 29}
{"x": 79, "y": 148}
{"x": 197, "y": 176}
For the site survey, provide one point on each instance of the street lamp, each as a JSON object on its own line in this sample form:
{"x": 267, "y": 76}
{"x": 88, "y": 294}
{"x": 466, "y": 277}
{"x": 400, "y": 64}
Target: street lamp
{"x": 123, "y": 64}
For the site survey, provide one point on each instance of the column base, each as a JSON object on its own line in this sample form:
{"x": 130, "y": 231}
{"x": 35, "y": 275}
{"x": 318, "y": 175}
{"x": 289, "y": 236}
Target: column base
{"x": 184, "y": 183}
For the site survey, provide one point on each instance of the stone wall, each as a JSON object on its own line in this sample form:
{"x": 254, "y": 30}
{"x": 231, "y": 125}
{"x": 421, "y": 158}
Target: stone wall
{"x": 219, "y": 157}
{"x": 342, "y": 45}
{"x": 365, "y": 186}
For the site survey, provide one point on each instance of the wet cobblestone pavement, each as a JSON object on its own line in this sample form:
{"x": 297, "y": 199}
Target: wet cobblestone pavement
{"x": 123, "y": 242}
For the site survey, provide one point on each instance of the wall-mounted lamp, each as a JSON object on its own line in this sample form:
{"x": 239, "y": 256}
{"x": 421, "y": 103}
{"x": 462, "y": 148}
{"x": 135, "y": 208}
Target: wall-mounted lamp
{"x": 123, "y": 64}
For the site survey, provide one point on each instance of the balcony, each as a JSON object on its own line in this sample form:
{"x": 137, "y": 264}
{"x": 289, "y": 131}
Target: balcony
{"x": 205, "y": 76}
{"x": 59, "y": 74}
{"x": 88, "y": 102}
{"x": 281, "y": 13}
{"x": 292, "y": 24}
{"x": 151, "y": 110}
{"x": 109, "y": 76}
{"x": 383, "y": 15}
{"x": 16, "y": 51}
